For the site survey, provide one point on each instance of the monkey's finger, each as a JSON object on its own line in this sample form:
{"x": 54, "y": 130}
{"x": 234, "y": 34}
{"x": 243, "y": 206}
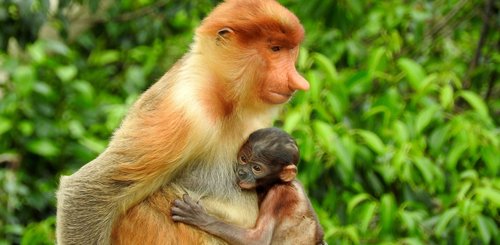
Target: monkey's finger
{"x": 179, "y": 204}
{"x": 187, "y": 198}
{"x": 179, "y": 211}
{"x": 178, "y": 218}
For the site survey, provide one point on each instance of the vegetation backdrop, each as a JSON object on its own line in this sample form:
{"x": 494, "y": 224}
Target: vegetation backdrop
{"x": 399, "y": 132}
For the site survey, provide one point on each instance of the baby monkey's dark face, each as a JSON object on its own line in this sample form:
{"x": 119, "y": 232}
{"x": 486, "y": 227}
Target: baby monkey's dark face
{"x": 269, "y": 156}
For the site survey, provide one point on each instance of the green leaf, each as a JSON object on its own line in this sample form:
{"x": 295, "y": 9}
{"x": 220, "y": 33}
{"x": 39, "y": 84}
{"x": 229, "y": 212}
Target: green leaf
{"x": 458, "y": 148}
{"x": 44, "y": 147}
{"x": 482, "y": 227}
{"x": 366, "y": 215}
{"x": 444, "y": 220}
{"x": 66, "y": 73}
{"x": 414, "y": 72}
{"x": 462, "y": 235}
{"x": 325, "y": 134}
{"x": 476, "y": 102}
{"x": 424, "y": 118}
{"x": 26, "y": 128}
{"x": 446, "y": 96}
{"x": 40, "y": 233}
{"x": 24, "y": 78}
{"x": 330, "y": 141}
{"x": 303, "y": 58}
{"x": 438, "y": 137}
{"x": 464, "y": 189}
{"x": 372, "y": 140}
{"x": 490, "y": 194}
{"x": 104, "y": 57}
{"x": 5, "y": 125}
{"x": 490, "y": 156}
{"x": 387, "y": 214}
{"x": 327, "y": 66}
{"x": 374, "y": 60}
{"x": 424, "y": 166}
{"x": 93, "y": 144}
{"x": 291, "y": 121}
{"x": 316, "y": 86}
{"x": 336, "y": 106}
{"x": 356, "y": 200}
{"x": 352, "y": 234}
{"x": 401, "y": 132}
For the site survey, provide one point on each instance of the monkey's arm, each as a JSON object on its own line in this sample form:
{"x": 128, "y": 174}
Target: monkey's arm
{"x": 190, "y": 212}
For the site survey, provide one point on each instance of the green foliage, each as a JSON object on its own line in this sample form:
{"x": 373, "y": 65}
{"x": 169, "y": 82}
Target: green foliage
{"x": 398, "y": 133}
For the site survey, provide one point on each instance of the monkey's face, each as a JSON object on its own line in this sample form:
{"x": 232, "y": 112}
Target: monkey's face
{"x": 253, "y": 169}
{"x": 268, "y": 156}
{"x": 281, "y": 79}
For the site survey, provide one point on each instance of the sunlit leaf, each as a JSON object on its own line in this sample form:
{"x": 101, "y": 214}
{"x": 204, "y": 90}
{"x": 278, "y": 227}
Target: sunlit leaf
{"x": 446, "y": 96}
{"x": 316, "y": 86}
{"x": 490, "y": 156}
{"x": 5, "y": 125}
{"x": 93, "y": 144}
{"x": 387, "y": 214}
{"x": 414, "y": 72}
{"x": 444, "y": 220}
{"x": 372, "y": 140}
{"x": 292, "y": 120}
{"x": 462, "y": 235}
{"x": 401, "y": 132}
{"x": 424, "y": 118}
{"x": 356, "y": 200}
{"x": 490, "y": 194}
{"x": 375, "y": 59}
{"x": 476, "y": 102}
{"x": 352, "y": 234}
{"x": 482, "y": 227}
{"x": 44, "y": 147}
{"x": 366, "y": 215}
{"x": 438, "y": 137}
{"x": 424, "y": 167}
{"x": 104, "y": 57}
{"x": 66, "y": 73}
{"x": 336, "y": 106}
{"x": 327, "y": 66}
{"x": 454, "y": 155}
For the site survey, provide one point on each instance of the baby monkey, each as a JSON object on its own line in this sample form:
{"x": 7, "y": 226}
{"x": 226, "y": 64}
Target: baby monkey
{"x": 267, "y": 163}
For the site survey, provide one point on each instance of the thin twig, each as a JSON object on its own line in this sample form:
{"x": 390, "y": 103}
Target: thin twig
{"x": 482, "y": 39}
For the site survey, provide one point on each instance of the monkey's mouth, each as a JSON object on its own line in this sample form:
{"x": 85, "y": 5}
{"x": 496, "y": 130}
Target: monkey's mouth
{"x": 280, "y": 97}
{"x": 246, "y": 185}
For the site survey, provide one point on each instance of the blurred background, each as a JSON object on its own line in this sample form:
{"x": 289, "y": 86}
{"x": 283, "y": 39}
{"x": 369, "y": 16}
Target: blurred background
{"x": 399, "y": 132}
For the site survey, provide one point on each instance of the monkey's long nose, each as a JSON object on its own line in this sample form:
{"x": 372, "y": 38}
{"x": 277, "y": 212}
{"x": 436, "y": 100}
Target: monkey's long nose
{"x": 296, "y": 81}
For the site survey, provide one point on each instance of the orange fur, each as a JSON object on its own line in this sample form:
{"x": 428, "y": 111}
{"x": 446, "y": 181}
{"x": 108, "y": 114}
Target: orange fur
{"x": 153, "y": 217}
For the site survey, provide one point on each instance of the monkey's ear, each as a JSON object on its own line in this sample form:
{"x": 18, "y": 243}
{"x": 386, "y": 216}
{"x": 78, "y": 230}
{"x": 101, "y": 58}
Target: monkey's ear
{"x": 288, "y": 173}
{"x": 224, "y": 32}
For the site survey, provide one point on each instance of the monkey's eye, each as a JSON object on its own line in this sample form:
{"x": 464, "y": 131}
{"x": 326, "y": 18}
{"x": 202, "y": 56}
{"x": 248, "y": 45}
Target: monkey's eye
{"x": 243, "y": 159}
{"x": 275, "y": 48}
{"x": 256, "y": 168}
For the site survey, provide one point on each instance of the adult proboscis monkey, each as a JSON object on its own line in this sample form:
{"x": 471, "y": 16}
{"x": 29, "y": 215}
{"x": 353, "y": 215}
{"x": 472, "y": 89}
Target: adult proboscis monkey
{"x": 184, "y": 132}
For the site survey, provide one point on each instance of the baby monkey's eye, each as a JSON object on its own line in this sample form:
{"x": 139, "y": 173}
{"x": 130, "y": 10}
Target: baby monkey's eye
{"x": 243, "y": 159}
{"x": 256, "y": 168}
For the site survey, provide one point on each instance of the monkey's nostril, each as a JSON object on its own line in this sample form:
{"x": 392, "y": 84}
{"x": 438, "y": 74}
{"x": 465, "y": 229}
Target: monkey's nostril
{"x": 241, "y": 173}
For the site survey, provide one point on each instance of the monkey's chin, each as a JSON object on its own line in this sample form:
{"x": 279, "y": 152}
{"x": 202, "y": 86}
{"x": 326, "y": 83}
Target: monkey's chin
{"x": 246, "y": 186}
{"x": 278, "y": 98}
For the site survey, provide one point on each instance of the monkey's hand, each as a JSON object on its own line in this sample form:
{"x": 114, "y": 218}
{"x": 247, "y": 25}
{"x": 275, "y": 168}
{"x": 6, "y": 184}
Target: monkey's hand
{"x": 190, "y": 212}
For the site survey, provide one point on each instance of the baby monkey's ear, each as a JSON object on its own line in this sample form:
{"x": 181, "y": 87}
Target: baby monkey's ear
{"x": 288, "y": 173}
